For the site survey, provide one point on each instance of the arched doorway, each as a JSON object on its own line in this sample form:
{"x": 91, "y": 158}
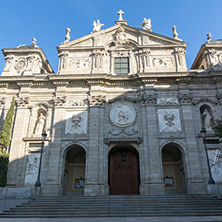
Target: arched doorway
{"x": 173, "y": 169}
{"x": 75, "y": 170}
{"x": 124, "y": 170}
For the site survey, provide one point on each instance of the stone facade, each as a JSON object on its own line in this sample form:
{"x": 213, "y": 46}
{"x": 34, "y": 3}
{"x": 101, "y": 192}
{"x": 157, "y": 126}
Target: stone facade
{"x": 90, "y": 112}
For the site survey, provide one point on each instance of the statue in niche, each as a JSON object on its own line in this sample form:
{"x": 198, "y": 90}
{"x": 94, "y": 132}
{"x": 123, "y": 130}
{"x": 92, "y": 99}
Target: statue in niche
{"x": 40, "y": 124}
{"x": 207, "y": 120}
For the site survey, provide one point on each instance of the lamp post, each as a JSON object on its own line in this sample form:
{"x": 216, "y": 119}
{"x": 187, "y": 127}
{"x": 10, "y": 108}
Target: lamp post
{"x": 203, "y": 133}
{"x": 38, "y": 183}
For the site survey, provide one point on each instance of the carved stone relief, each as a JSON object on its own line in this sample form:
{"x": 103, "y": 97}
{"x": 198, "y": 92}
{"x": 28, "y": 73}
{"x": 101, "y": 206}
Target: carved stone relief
{"x": 185, "y": 98}
{"x": 167, "y": 101}
{"x": 96, "y": 100}
{"x": 9, "y": 61}
{"x": 76, "y": 103}
{"x": 99, "y": 57}
{"x": 59, "y": 101}
{"x": 32, "y": 168}
{"x": 215, "y": 157}
{"x": 146, "y": 99}
{"x": 162, "y": 61}
{"x": 122, "y": 115}
{"x": 22, "y": 101}
{"x": 129, "y": 131}
{"x": 120, "y": 36}
{"x": 76, "y": 122}
{"x": 63, "y": 60}
{"x": 180, "y": 54}
{"x": 169, "y": 120}
{"x": 79, "y": 63}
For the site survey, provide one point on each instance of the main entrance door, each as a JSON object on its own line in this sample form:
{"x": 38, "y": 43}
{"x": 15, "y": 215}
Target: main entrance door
{"x": 123, "y": 170}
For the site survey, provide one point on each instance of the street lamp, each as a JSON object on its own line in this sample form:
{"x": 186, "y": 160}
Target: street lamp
{"x": 38, "y": 183}
{"x": 203, "y": 133}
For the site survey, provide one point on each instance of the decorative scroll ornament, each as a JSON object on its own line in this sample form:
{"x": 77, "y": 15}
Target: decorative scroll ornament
{"x": 59, "y": 101}
{"x": 96, "y": 100}
{"x": 185, "y": 98}
{"x": 122, "y": 115}
{"x": 120, "y": 36}
{"x": 129, "y": 131}
{"x": 22, "y": 101}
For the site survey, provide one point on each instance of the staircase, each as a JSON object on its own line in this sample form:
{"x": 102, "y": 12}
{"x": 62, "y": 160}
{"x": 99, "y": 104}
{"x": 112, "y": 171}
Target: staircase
{"x": 117, "y": 206}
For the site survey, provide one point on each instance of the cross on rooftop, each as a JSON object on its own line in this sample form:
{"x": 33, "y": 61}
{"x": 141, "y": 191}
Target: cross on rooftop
{"x": 120, "y": 13}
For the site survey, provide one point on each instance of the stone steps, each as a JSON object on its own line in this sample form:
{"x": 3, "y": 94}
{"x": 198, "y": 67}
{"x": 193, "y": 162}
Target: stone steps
{"x": 117, "y": 206}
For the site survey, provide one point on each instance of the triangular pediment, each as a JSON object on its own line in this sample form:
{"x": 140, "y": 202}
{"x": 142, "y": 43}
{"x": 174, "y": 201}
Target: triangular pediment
{"x": 141, "y": 38}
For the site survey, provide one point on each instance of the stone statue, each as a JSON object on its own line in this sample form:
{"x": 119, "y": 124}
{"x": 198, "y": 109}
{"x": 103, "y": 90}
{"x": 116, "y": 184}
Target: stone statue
{"x": 97, "y": 26}
{"x": 40, "y": 124}
{"x": 207, "y": 120}
{"x": 146, "y": 24}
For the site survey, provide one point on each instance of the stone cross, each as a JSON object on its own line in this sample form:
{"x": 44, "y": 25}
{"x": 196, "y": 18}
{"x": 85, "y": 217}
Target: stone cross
{"x": 120, "y": 13}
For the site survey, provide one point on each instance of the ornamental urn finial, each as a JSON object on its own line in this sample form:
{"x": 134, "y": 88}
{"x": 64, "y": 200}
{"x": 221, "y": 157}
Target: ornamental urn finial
{"x": 209, "y": 36}
{"x": 67, "y": 37}
{"x": 34, "y": 43}
{"x": 175, "y": 34}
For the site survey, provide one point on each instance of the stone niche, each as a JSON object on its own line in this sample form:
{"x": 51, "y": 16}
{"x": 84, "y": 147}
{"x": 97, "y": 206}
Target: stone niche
{"x": 25, "y": 60}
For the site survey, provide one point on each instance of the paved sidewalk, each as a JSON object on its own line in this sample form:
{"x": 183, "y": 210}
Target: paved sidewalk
{"x": 117, "y": 219}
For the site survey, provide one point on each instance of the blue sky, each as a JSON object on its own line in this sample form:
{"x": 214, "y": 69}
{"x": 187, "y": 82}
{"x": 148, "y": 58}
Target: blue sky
{"x": 47, "y": 20}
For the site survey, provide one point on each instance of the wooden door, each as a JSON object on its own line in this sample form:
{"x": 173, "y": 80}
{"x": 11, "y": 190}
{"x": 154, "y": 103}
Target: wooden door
{"x": 124, "y": 172}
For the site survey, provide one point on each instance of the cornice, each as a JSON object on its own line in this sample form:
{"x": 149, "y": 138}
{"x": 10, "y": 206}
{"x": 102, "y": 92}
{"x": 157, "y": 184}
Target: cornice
{"x": 109, "y": 80}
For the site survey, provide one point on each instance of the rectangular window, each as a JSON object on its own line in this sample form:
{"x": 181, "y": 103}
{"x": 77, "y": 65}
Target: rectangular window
{"x": 121, "y": 65}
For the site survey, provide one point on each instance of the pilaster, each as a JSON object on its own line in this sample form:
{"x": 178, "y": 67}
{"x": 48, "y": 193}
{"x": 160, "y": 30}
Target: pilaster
{"x": 195, "y": 184}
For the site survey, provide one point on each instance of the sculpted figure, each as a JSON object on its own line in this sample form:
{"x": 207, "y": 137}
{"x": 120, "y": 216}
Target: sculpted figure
{"x": 146, "y": 24}
{"x": 207, "y": 120}
{"x": 97, "y": 26}
{"x": 40, "y": 124}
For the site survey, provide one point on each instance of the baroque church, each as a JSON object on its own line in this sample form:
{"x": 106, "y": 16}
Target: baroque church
{"x": 123, "y": 114}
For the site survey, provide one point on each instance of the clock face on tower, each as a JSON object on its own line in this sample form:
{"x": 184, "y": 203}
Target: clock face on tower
{"x": 122, "y": 115}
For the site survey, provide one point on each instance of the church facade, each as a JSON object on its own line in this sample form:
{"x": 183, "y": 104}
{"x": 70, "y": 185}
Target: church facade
{"x": 123, "y": 114}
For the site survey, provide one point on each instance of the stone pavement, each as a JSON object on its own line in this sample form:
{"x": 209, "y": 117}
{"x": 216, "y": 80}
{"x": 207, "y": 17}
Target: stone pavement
{"x": 117, "y": 219}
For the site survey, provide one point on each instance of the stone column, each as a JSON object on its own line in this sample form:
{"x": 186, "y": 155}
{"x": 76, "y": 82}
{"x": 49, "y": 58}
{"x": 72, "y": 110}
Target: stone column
{"x": 95, "y": 170}
{"x": 53, "y": 179}
{"x": 17, "y": 158}
{"x": 195, "y": 184}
